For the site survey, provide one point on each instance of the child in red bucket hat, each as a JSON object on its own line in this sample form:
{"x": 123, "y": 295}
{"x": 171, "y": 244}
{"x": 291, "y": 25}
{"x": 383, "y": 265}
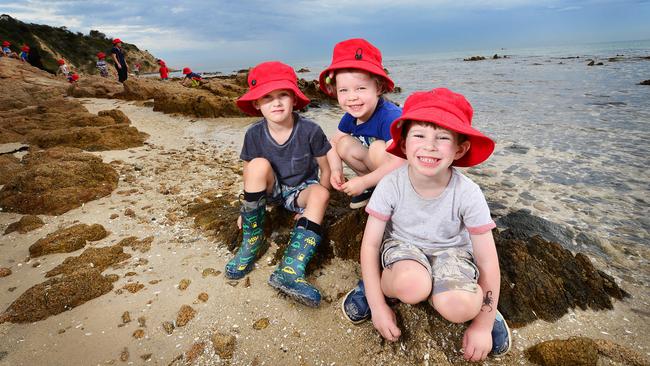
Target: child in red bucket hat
{"x": 191, "y": 79}
{"x": 6, "y": 50}
{"x": 357, "y": 79}
{"x": 101, "y": 64}
{"x": 430, "y": 228}
{"x": 163, "y": 70}
{"x": 63, "y": 68}
{"x": 119, "y": 60}
{"x": 24, "y": 52}
{"x": 282, "y": 156}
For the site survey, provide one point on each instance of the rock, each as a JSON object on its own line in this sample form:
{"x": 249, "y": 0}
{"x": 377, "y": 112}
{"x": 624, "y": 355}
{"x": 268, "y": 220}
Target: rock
{"x": 4, "y": 272}
{"x": 542, "y": 280}
{"x": 142, "y": 321}
{"x": 133, "y": 287}
{"x": 168, "y": 327}
{"x": 261, "y": 324}
{"x": 184, "y": 284}
{"x": 26, "y": 224}
{"x": 146, "y": 356}
{"x": 129, "y": 212}
{"x": 583, "y": 351}
{"x": 9, "y": 167}
{"x": 522, "y": 224}
{"x": 645, "y": 82}
{"x": 202, "y": 296}
{"x": 67, "y": 240}
{"x": 57, "y": 180}
{"x": 126, "y": 317}
{"x": 92, "y": 86}
{"x": 138, "y": 334}
{"x": 224, "y": 344}
{"x": 474, "y": 58}
{"x": 210, "y": 272}
{"x": 97, "y": 258}
{"x": 185, "y": 314}
{"x": 57, "y": 295}
{"x": 142, "y": 246}
{"x": 302, "y": 70}
{"x": 114, "y": 216}
{"x": 124, "y": 355}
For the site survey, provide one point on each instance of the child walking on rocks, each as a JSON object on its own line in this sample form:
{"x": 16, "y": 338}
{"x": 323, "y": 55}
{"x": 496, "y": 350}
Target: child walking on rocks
{"x": 358, "y": 80}
{"x": 101, "y": 64}
{"x": 429, "y": 227}
{"x": 282, "y": 156}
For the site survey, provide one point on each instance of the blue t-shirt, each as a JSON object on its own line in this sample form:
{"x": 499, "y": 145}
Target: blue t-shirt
{"x": 293, "y": 162}
{"x": 377, "y": 127}
{"x": 192, "y": 75}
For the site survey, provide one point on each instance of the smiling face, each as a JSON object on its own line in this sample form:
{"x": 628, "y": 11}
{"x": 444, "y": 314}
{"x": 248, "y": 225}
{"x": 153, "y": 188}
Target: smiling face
{"x": 357, "y": 93}
{"x": 276, "y": 106}
{"x": 431, "y": 150}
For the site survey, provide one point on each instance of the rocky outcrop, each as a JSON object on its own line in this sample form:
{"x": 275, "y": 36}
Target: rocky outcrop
{"x": 90, "y": 86}
{"x": 57, "y": 180}
{"x": 645, "y": 82}
{"x": 584, "y": 351}
{"x": 24, "y": 85}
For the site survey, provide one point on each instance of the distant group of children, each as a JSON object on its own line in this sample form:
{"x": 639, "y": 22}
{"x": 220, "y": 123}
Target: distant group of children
{"x": 428, "y": 235}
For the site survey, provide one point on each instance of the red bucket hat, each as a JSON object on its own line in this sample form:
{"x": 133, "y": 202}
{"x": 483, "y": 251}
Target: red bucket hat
{"x": 25, "y": 48}
{"x": 61, "y": 61}
{"x": 186, "y": 70}
{"x": 446, "y": 109}
{"x": 101, "y": 55}
{"x": 75, "y": 77}
{"x": 356, "y": 53}
{"x": 267, "y": 77}
{"x": 117, "y": 40}
{"x": 6, "y": 44}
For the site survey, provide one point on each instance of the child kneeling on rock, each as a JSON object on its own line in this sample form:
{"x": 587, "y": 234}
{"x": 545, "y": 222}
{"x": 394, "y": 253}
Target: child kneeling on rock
{"x": 430, "y": 228}
{"x": 282, "y": 155}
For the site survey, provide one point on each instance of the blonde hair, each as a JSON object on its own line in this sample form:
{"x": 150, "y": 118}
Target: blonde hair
{"x": 330, "y": 80}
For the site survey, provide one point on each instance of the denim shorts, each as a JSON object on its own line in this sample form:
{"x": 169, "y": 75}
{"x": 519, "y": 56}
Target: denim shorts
{"x": 450, "y": 268}
{"x": 286, "y": 196}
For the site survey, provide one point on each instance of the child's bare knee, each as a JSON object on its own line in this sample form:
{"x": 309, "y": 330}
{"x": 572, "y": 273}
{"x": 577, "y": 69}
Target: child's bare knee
{"x": 457, "y": 306}
{"x": 319, "y": 194}
{"x": 412, "y": 285}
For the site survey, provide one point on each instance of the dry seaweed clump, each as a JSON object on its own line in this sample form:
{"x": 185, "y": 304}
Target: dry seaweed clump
{"x": 57, "y": 180}
{"x": 115, "y": 137}
{"x": 583, "y": 351}
{"x": 9, "y": 166}
{"x": 26, "y": 224}
{"x": 98, "y": 258}
{"x": 67, "y": 240}
{"x": 57, "y": 295}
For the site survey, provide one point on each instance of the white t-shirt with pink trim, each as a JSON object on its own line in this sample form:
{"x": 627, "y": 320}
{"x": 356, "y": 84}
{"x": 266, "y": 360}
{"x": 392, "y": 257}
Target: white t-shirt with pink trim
{"x": 431, "y": 223}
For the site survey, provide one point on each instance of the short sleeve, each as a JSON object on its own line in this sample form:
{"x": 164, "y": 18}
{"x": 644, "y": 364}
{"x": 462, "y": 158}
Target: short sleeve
{"x": 318, "y": 142}
{"x": 476, "y": 213}
{"x": 383, "y": 200}
{"x": 347, "y": 123}
{"x": 249, "y": 150}
{"x": 392, "y": 112}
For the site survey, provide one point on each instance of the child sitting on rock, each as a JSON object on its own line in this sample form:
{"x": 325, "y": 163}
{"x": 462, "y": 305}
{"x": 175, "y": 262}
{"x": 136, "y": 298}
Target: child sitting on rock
{"x": 24, "y": 53}
{"x": 63, "y": 68}
{"x": 357, "y": 79}
{"x": 101, "y": 64}
{"x": 429, "y": 227}
{"x": 6, "y": 50}
{"x": 282, "y": 155}
{"x": 191, "y": 79}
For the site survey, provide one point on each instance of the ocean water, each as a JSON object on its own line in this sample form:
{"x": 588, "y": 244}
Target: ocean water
{"x": 572, "y": 140}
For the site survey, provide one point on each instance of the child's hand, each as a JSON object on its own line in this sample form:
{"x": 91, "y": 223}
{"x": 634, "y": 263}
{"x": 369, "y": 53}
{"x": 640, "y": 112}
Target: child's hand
{"x": 385, "y": 322}
{"x": 337, "y": 180}
{"x": 354, "y": 186}
{"x": 239, "y": 222}
{"x": 477, "y": 343}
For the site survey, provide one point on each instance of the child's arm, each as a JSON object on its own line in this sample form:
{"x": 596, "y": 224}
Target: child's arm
{"x": 357, "y": 185}
{"x": 117, "y": 64}
{"x": 325, "y": 171}
{"x": 477, "y": 341}
{"x": 383, "y": 317}
{"x": 336, "y": 164}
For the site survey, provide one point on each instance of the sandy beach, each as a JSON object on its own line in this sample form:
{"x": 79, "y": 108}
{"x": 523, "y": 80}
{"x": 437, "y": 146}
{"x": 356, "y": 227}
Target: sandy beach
{"x": 188, "y": 160}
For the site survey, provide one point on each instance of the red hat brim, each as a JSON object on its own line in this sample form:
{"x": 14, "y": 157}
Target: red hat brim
{"x": 354, "y": 64}
{"x": 481, "y": 146}
{"x": 245, "y": 102}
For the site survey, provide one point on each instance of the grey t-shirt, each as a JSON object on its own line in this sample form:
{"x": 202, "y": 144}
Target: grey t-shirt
{"x": 293, "y": 162}
{"x": 431, "y": 223}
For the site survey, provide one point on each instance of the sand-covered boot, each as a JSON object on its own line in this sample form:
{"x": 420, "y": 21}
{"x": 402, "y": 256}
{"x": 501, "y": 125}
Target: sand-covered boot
{"x": 289, "y": 277}
{"x": 252, "y": 214}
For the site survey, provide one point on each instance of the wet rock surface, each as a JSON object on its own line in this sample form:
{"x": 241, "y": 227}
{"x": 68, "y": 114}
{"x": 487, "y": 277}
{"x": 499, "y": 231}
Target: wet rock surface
{"x": 57, "y": 180}
{"x": 57, "y": 295}
{"x": 26, "y": 224}
{"x": 97, "y": 258}
{"x": 68, "y": 239}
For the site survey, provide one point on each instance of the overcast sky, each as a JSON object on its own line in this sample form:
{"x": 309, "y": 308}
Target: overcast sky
{"x": 218, "y": 34}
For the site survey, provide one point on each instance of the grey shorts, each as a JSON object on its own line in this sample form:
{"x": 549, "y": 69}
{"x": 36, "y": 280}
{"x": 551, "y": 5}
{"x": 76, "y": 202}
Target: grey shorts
{"x": 286, "y": 196}
{"x": 450, "y": 268}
